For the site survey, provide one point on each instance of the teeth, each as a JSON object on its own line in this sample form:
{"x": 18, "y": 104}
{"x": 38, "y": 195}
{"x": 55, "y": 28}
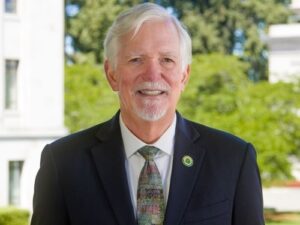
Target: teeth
{"x": 151, "y": 92}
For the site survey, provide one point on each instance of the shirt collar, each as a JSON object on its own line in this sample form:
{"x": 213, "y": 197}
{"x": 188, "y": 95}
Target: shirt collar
{"x": 132, "y": 143}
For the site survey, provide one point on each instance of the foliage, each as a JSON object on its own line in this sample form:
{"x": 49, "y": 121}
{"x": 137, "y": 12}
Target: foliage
{"x": 282, "y": 218}
{"x": 89, "y": 99}
{"x": 283, "y": 223}
{"x": 13, "y": 216}
{"x": 219, "y": 95}
{"x": 232, "y": 27}
{"x": 228, "y": 27}
{"x": 89, "y": 26}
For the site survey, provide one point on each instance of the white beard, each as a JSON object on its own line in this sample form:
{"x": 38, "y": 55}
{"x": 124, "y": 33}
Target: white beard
{"x": 151, "y": 111}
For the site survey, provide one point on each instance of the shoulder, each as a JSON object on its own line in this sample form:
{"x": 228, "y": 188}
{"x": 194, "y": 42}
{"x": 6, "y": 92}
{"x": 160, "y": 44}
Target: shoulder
{"x": 81, "y": 140}
{"x": 207, "y": 133}
{"x": 219, "y": 142}
{"x": 210, "y": 133}
{"x": 77, "y": 138}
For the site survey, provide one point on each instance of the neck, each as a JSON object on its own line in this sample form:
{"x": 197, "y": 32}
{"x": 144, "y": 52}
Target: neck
{"x": 147, "y": 131}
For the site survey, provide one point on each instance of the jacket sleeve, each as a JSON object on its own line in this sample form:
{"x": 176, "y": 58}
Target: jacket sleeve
{"x": 248, "y": 202}
{"x": 48, "y": 201}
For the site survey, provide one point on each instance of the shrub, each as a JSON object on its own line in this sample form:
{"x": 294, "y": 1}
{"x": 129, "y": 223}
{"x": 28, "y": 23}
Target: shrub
{"x": 14, "y": 216}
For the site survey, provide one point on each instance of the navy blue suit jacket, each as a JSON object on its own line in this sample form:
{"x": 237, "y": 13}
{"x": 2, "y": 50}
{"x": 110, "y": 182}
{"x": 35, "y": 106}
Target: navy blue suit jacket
{"x": 82, "y": 180}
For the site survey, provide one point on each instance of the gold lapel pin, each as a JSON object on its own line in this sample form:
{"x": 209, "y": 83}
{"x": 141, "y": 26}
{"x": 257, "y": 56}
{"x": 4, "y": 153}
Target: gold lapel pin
{"x": 187, "y": 161}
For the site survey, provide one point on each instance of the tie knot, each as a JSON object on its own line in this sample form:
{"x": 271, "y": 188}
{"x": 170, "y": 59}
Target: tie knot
{"x": 148, "y": 152}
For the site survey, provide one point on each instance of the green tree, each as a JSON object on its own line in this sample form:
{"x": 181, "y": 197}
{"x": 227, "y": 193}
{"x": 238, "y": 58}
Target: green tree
{"x": 265, "y": 114}
{"x": 229, "y": 27}
{"x": 88, "y": 98}
{"x": 233, "y": 27}
{"x": 89, "y": 26}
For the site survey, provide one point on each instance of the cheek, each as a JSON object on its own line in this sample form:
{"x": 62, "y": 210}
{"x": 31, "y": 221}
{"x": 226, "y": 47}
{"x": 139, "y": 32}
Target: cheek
{"x": 177, "y": 88}
{"x": 176, "y": 81}
{"x": 121, "y": 78}
{"x": 125, "y": 86}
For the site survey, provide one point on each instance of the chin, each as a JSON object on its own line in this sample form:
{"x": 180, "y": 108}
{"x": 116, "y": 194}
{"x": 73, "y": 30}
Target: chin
{"x": 151, "y": 115}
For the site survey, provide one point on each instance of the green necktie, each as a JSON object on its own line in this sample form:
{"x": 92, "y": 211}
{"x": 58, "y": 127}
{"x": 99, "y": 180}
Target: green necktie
{"x": 150, "y": 197}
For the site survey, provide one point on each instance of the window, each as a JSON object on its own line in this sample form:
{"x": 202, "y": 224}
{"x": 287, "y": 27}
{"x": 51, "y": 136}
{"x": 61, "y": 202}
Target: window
{"x": 11, "y": 70}
{"x": 10, "y": 6}
{"x": 15, "y": 171}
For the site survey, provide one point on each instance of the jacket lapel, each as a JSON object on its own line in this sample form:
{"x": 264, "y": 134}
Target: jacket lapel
{"x": 184, "y": 175}
{"x": 109, "y": 158}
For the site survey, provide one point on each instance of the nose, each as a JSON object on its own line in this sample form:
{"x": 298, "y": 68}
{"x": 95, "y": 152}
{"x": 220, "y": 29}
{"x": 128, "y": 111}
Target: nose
{"x": 152, "y": 70}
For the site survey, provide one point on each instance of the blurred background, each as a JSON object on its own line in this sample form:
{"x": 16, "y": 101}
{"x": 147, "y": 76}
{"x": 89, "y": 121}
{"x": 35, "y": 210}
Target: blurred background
{"x": 245, "y": 79}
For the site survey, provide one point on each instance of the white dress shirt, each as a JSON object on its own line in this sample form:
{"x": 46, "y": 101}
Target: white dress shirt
{"x": 135, "y": 162}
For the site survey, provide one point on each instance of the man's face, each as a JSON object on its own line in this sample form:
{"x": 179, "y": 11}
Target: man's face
{"x": 148, "y": 74}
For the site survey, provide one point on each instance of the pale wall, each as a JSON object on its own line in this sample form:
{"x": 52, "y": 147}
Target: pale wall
{"x": 284, "y": 52}
{"x": 35, "y": 37}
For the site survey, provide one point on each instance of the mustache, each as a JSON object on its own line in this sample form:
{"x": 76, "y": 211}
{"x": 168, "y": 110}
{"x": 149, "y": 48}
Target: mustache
{"x": 152, "y": 86}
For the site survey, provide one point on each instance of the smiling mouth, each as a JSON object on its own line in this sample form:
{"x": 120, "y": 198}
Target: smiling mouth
{"x": 151, "y": 89}
{"x": 151, "y": 92}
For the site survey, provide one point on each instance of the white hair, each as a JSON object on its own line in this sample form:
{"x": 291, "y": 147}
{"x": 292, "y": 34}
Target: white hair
{"x": 132, "y": 20}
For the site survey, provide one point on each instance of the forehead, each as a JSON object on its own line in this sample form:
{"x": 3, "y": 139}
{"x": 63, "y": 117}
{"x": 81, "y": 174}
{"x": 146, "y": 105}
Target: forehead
{"x": 152, "y": 35}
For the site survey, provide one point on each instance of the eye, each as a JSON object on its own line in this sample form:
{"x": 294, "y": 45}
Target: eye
{"x": 136, "y": 60}
{"x": 167, "y": 60}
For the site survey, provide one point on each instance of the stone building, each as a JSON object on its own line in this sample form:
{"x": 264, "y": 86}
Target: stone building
{"x": 31, "y": 91}
{"x": 284, "y": 48}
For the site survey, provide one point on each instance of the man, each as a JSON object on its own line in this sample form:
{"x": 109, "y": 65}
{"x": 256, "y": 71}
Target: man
{"x": 148, "y": 165}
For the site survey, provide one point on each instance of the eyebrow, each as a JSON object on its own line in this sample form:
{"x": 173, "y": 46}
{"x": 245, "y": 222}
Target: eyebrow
{"x": 172, "y": 54}
{"x": 168, "y": 53}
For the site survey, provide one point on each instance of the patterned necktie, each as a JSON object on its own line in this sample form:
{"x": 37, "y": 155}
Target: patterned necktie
{"x": 150, "y": 198}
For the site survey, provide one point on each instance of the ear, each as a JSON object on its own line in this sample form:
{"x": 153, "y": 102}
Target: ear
{"x": 111, "y": 75}
{"x": 185, "y": 78}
